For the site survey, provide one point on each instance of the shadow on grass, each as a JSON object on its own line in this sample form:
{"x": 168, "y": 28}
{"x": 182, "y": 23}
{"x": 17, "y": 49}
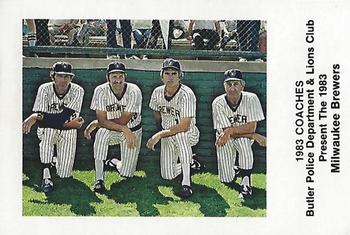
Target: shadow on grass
{"x": 144, "y": 191}
{"x": 141, "y": 191}
{"x": 256, "y": 201}
{"x": 67, "y": 191}
{"x": 211, "y": 203}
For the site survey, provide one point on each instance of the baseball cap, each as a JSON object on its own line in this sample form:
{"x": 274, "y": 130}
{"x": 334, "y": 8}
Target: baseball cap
{"x": 115, "y": 67}
{"x": 171, "y": 63}
{"x": 63, "y": 68}
{"x": 233, "y": 75}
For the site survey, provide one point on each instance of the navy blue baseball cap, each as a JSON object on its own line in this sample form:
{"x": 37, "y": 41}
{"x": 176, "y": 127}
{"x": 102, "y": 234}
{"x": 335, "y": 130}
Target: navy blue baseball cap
{"x": 233, "y": 75}
{"x": 171, "y": 63}
{"x": 116, "y": 67}
{"x": 62, "y": 68}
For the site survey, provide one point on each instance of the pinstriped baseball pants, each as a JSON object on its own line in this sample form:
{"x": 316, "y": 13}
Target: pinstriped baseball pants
{"x": 175, "y": 147}
{"x": 65, "y": 141}
{"x": 226, "y": 156}
{"x": 129, "y": 157}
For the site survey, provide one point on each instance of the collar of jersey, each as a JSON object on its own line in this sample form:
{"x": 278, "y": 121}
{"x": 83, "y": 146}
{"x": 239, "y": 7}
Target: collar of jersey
{"x": 58, "y": 96}
{"x": 234, "y": 108}
{"x": 169, "y": 98}
{"x": 124, "y": 90}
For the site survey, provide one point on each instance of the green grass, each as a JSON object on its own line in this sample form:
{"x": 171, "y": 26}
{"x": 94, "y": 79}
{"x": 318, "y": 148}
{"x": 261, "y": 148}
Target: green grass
{"x": 146, "y": 194}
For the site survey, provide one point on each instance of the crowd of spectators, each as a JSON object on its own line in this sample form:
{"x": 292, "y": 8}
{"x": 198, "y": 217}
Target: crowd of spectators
{"x": 238, "y": 35}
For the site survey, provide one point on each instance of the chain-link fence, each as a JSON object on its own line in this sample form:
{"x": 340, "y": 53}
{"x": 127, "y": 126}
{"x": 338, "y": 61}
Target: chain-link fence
{"x": 223, "y": 35}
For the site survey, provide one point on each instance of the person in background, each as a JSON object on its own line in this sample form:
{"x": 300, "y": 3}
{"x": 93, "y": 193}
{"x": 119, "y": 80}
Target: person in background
{"x": 204, "y": 34}
{"x": 125, "y": 27}
{"x": 64, "y": 27}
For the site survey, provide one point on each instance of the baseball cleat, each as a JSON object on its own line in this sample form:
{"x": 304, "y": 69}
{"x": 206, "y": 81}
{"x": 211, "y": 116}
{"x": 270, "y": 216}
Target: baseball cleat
{"x": 237, "y": 170}
{"x": 110, "y": 164}
{"x": 186, "y": 191}
{"x": 47, "y": 186}
{"x": 245, "y": 193}
{"x": 196, "y": 165}
{"x": 99, "y": 186}
{"x": 54, "y": 162}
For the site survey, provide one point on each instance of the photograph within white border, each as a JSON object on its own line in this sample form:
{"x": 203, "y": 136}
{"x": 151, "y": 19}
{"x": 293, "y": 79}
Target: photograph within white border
{"x": 286, "y": 62}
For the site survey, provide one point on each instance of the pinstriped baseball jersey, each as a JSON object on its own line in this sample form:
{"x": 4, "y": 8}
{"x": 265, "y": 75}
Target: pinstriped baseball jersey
{"x": 104, "y": 99}
{"x": 182, "y": 104}
{"x": 248, "y": 110}
{"x": 47, "y": 100}
{"x": 172, "y": 109}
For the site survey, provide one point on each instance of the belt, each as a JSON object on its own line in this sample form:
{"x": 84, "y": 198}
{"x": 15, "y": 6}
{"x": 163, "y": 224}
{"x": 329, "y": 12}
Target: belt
{"x": 136, "y": 128}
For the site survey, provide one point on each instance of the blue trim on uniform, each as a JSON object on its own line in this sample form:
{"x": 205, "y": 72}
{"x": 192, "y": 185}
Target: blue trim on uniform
{"x": 169, "y": 98}
{"x": 59, "y": 96}
{"x": 136, "y": 128}
{"x": 124, "y": 90}
{"x": 233, "y": 108}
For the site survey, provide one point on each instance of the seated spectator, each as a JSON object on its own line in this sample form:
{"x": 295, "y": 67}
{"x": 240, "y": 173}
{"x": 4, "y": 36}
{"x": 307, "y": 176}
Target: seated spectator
{"x": 204, "y": 34}
{"x": 229, "y": 33}
{"x": 179, "y": 29}
{"x": 63, "y": 27}
{"x": 91, "y": 28}
{"x": 141, "y": 30}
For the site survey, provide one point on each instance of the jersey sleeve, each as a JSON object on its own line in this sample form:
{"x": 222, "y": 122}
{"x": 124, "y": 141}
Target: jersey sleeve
{"x": 188, "y": 108}
{"x": 153, "y": 101}
{"x": 98, "y": 100}
{"x": 76, "y": 102}
{"x": 255, "y": 112}
{"x": 134, "y": 102}
{"x": 220, "y": 120}
{"x": 40, "y": 104}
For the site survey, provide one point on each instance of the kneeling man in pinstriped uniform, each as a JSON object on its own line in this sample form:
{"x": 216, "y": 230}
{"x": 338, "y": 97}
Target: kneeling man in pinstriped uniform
{"x": 56, "y": 109}
{"x": 118, "y": 109}
{"x": 235, "y": 115}
{"x": 174, "y": 106}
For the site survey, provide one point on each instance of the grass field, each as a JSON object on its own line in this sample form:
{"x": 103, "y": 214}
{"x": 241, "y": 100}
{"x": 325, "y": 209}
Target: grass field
{"x": 146, "y": 194}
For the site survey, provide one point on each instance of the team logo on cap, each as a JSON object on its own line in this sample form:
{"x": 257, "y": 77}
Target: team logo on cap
{"x": 233, "y": 73}
{"x": 63, "y": 68}
{"x": 171, "y": 63}
{"x": 116, "y": 67}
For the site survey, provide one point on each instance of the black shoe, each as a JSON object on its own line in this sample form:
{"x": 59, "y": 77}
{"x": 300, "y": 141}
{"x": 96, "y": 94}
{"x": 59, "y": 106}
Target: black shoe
{"x": 99, "y": 186}
{"x": 186, "y": 191}
{"x": 245, "y": 193}
{"x": 47, "y": 186}
{"x": 237, "y": 170}
{"x": 110, "y": 165}
{"x": 53, "y": 163}
{"x": 196, "y": 165}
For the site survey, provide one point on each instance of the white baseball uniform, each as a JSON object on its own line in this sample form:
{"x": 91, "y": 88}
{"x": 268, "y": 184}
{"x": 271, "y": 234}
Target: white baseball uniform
{"x": 105, "y": 100}
{"x": 248, "y": 110}
{"x": 172, "y": 110}
{"x": 48, "y": 101}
